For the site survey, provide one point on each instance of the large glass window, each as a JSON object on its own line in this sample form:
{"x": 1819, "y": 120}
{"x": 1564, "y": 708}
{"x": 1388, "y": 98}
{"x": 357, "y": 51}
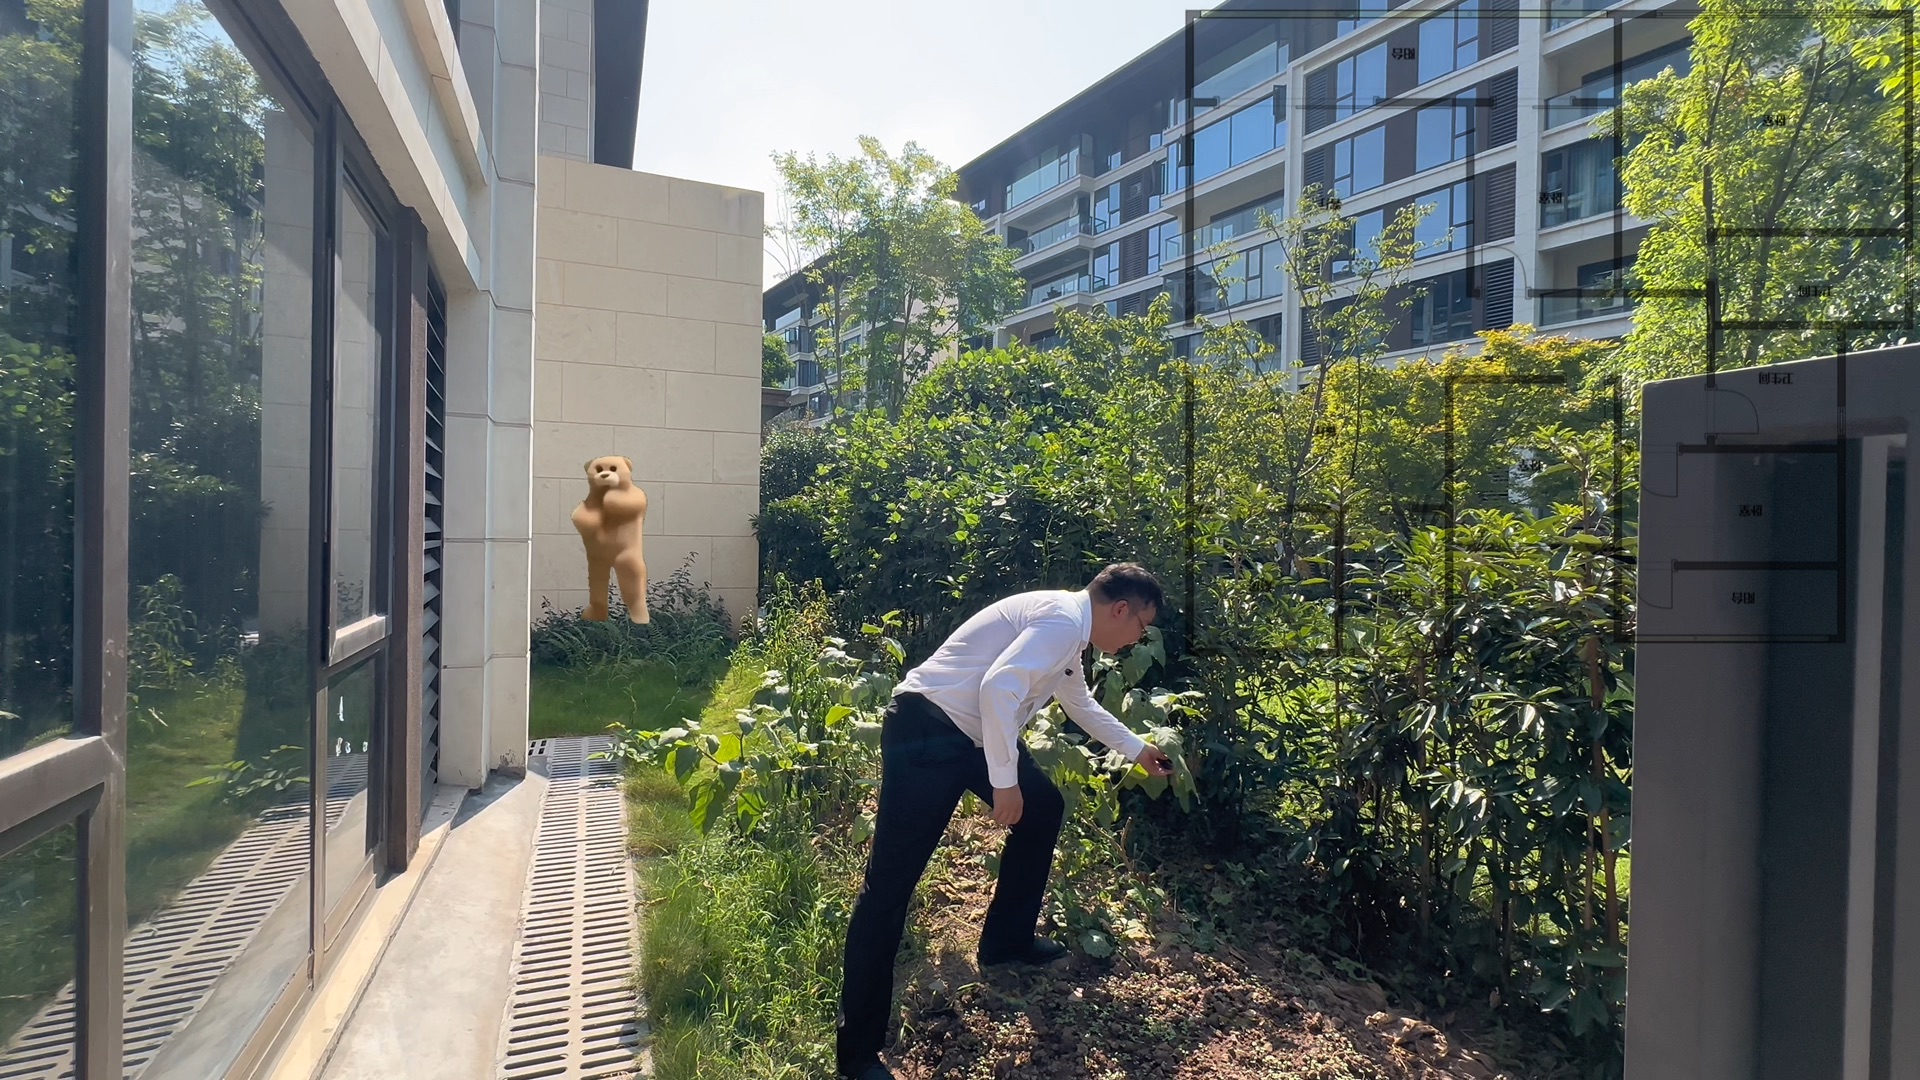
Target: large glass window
{"x": 1445, "y": 311}
{"x": 1450, "y": 40}
{"x": 1359, "y": 163}
{"x": 39, "y": 939}
{"x": 1251, "y": 60}
{"x": 1106, "y": 207}
{"x": 1442, "y": 133}
{"x": 1106, "y": 262}
{"x": 1578, "y": 182}
{"x": 219, "y": 701}
{"x": 231, "y": 491}
{"x": 1360, "y": 81}
{"x": 360, "y": 341}
{"x": 1212, "y": 150}
{"x": 1449, "y": 227}
{"x": 1253, "y": 131}
{"x": 37, "y": 388}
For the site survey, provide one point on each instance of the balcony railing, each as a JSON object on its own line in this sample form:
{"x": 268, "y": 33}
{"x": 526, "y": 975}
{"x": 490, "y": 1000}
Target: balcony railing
{"x": 1066, "y": 286}
{"x": 1595, "y": 303}
{"x": 1232, "y": 227}
{"x": 1049, "y": 176}
{"x": 1602, "y": 94}
{"x": 1056, "y": 233}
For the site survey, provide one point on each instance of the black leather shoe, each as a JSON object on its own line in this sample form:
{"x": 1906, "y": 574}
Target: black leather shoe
{"x": 1041, "y": 951}
{"x": 875, "y": 1071}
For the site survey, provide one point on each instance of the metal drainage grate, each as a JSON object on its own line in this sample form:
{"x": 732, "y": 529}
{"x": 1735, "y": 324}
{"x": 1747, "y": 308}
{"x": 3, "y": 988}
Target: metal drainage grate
{"x": 174, "y": 959}
{"x": 574, "y": 1010}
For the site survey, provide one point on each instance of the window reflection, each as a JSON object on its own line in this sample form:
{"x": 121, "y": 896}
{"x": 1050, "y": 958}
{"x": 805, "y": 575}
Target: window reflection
{"x": 1449, "y": 41}
{"x": 359, "y": 349}
{"x": 1441, "y": 133}
{"x": 40, "y": 63}
{"x": 1359, "y": 163}
{"x": 351, "y": 707}
{"x": 219, "y": 702}
{"x": 39, "y": 937}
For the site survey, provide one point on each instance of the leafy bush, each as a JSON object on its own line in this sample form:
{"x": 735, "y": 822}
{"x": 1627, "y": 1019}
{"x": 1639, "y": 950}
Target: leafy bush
{"x": 793, "y": 459}
{"x": 804, "y": 749}
{"x": 793, "y": 535}
{"x": 688, "y": 628}
{"x": 1426, "y": 725}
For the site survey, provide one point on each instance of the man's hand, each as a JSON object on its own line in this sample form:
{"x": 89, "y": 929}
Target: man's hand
{"x": 1007, "y": 804}
{"x": 1155, "y": 761}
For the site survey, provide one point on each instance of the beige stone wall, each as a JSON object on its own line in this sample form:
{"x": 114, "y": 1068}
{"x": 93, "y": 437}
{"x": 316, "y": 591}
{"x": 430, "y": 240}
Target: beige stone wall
{"x": 647, "y": 344}
{"x": 566, "y": 78}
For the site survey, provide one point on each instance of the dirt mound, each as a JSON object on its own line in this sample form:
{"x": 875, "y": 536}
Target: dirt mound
{"x": 1159, "y": 1013}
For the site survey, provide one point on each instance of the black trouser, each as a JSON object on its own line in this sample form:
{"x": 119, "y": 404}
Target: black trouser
{"x": 926, "y": 765}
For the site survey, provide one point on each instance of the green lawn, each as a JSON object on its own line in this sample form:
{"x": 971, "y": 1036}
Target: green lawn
{"x": 643, "y": 695}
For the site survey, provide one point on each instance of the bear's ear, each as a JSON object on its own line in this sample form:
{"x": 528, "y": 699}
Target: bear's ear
{"x": 629, "y": 462}
{"x": 588, "y": 467}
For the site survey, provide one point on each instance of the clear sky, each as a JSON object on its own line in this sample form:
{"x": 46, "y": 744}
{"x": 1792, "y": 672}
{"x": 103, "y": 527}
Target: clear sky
{"x": 726, "y": 83}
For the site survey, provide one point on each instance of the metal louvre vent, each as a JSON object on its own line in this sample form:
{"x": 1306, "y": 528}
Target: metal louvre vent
{"x": 174, "y": 960}
{"x": 435, "y": 518}
{"x": 573, "y": 1009}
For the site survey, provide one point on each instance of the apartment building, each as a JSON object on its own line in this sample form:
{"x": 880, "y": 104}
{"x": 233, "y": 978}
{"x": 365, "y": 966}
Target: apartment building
{"x": 1476, "y": 107}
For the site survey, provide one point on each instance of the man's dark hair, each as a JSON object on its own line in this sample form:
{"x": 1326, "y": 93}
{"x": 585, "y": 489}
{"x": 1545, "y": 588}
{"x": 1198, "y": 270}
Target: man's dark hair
{"x": 1130, "y": 582}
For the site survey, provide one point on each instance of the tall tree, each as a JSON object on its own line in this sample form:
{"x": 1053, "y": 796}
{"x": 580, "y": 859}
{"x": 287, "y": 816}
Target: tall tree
{"x": 897, "y": 263}
{"x": 1349, "y": 293}
{"x": 1772, "y": 173}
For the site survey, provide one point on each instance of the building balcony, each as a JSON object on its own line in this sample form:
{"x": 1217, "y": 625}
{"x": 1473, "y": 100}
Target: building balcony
{"x": 1056, "y": 237}
{"x": 1594, "y": 304}
{"x": 1074, "y": 290}
{"x": 1600, "y": 95}
{"x": 1056, "y": 177}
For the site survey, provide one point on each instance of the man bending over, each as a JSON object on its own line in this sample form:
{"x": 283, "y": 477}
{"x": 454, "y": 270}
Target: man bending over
{"x": 954, "y": 726}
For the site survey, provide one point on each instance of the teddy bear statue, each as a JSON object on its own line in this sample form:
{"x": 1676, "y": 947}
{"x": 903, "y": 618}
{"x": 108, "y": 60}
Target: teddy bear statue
{"x": 610, "y": 519}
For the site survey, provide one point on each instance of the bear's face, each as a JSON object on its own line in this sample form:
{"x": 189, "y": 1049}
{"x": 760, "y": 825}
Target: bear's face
{"x": 609, "y": 472}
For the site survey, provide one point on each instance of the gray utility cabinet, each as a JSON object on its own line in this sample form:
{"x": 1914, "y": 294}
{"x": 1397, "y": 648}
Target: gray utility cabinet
{"x": 1775, "y": 922}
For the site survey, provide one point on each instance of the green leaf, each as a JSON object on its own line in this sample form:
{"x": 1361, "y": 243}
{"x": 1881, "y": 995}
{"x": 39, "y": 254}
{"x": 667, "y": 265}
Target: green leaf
{"x": 1097, "y": 944}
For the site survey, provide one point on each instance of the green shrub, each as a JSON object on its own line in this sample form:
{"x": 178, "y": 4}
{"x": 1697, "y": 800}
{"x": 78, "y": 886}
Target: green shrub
{"x": 1428, "y": 727}
{"x": 805, "y": 747}
{"x": 793, "y": 534}
{"x": 793, "y": 459}
{"x": 688, "y": 628}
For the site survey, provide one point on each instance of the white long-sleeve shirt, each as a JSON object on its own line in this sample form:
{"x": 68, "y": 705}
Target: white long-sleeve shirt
{"x": 1005, "y": 663}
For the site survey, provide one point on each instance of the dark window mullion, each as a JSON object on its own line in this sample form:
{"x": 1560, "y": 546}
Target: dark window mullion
{"x": 105, "y": 213}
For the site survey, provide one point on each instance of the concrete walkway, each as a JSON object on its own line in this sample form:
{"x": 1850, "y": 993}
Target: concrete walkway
{"x": 433, "y": 1009}
{"x": 515, "y": 958}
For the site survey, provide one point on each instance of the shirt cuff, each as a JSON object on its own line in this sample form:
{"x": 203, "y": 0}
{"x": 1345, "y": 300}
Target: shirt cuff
{"x": 1004, "y": 776}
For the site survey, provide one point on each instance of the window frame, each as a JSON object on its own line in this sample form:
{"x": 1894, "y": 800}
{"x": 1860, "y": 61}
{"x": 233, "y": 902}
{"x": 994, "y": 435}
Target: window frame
{"x": 1347, "y": 69}
{"x": 1465, "y": 17}
{"x": 80, "y": 779}
{"x": 1459, "y": 138}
